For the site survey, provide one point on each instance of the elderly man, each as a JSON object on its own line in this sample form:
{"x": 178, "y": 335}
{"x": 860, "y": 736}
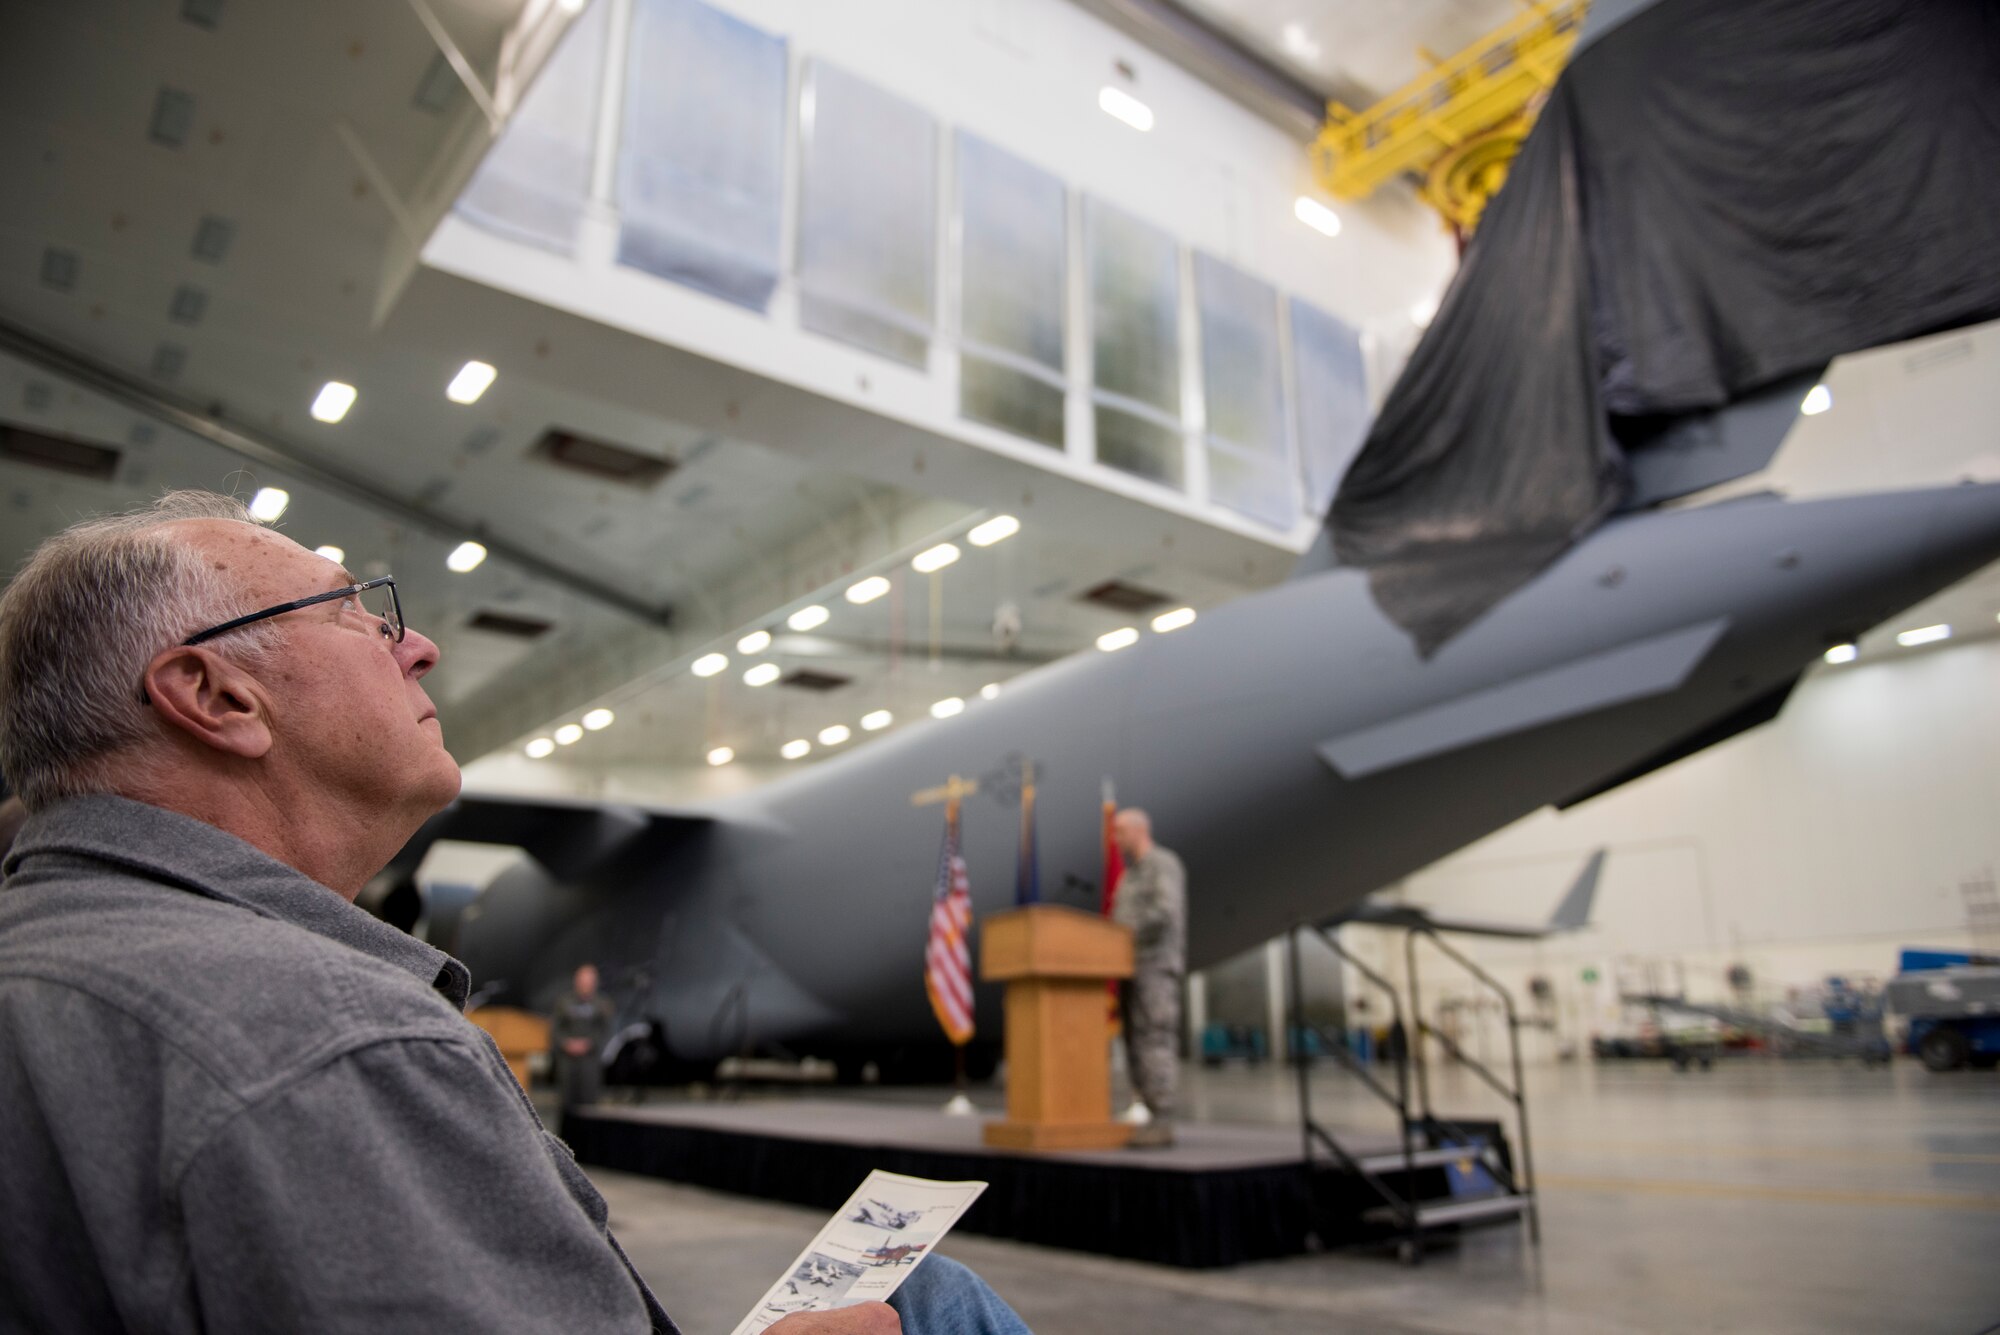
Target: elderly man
{"x": 1152, "y": 901}
{"x": 229, "y": 1099}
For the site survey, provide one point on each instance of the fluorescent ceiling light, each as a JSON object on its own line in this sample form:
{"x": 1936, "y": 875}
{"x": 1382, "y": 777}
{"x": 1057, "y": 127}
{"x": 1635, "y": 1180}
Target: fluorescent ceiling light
{"x": 1818, "y": 399}
{"x": 540, "y": 747}
{"x": 997, "y": 529}
{"x": 470, "y": 382}
{"x": 331, "y": 553}
{"x": 721, "y": 756}
{"x": 808, "y": 618}
{"x": 876, "y": 720}
{"x": 1909, "y": 639}
{"x": 763, "y": 674}
{"x": 1842, "y": 653}
{"x": 269, "y": 503}
{"x": 868, "y": 590}
{"x": 572, "y": 6}
{"x": 1122, "y": 638}
{"x": 990, "y": 691}
{"x": 756, "y": 642}
{"x": 796, "y": 749}
{"x": 333, "y": 402}
{"x": 834, "y": 735}
{"x": 709, "y": 664}
{"x": 1316, "y": 215}
{"x": 465, "y": 557}
{"x": 1424, "y": 312}
{"x": 597, "y": 720}
{"x": 1174, "y": 620}
{"x": 946, "y": 708}
{"x": 569, "y": 734}
{"x": 934, "y": 558}
{"x": 1122, "y": 106}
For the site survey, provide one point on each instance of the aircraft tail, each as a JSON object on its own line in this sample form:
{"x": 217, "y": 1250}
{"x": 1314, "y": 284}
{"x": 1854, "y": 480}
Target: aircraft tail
{"x": 1574, "y": 911}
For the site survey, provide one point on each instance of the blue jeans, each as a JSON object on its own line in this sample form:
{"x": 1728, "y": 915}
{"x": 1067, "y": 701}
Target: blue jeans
{"x": 942, "y": 1297}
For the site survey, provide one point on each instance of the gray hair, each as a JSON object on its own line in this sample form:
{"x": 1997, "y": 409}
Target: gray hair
{"x": 79, "y": 624}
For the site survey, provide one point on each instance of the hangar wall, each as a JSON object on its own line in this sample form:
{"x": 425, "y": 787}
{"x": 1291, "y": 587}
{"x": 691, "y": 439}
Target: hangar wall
{"x": 1818, "y": 845}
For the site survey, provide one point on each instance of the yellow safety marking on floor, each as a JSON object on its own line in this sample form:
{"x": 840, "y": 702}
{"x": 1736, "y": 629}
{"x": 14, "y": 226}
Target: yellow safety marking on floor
{"x": 1774, "y": 1152}
{"x": 1921, "y": 1200}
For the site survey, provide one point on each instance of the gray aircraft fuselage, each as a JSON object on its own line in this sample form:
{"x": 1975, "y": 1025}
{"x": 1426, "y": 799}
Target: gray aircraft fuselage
{"x": 1291, "y": 746}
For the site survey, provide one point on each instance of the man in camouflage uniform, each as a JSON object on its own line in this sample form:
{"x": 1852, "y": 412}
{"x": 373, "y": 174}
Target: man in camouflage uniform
{"x": 578, "y": 1032}
{"x": 1152, "y": 901}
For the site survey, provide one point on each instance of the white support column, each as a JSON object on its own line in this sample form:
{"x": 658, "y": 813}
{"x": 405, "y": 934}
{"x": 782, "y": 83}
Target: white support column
{"x": 1197, "y": 1012}
{"x": 1275, "y": 995}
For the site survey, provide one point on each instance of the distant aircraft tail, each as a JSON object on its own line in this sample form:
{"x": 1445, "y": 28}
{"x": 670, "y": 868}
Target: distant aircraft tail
{"x": 1574, "y": 911}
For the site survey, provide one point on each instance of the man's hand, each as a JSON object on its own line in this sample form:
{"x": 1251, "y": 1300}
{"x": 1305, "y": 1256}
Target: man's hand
{"x": 860, "y": 1319}
{"x": 576, "y": 1047}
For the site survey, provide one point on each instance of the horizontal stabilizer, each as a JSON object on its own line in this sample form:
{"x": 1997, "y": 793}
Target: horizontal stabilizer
{"x": 1618, "y": 676}
{"x": 564, "y": 837}
{"x": 1574, "y": 911}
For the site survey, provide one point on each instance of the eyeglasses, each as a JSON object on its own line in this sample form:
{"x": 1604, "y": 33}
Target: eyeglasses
{"x": 377, "y": 598}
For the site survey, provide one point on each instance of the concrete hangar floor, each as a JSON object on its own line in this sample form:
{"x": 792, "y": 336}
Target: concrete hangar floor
{"x": 1763, "y": 1196}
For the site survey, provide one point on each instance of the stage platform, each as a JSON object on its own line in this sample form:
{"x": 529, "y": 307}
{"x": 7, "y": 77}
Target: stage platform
{"x": 1223, "y": 1195}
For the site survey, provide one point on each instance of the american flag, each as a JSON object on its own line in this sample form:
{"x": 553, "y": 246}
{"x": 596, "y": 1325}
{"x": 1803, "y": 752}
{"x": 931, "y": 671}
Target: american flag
{"x": 948, "y": 959}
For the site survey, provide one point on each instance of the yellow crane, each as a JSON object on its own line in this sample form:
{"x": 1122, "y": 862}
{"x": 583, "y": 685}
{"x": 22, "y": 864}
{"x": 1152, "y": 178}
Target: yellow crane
{"x": 1457, "y": 126}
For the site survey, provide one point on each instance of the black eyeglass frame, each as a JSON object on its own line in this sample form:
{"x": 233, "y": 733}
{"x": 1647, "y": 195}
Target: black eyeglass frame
{"x": 395, "y": 621}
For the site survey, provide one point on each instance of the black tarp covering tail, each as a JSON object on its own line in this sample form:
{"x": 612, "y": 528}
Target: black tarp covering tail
{"x": 1719, "y": 197}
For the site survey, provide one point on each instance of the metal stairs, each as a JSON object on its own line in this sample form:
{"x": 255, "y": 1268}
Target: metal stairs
{"x": 1482, "y": 1183}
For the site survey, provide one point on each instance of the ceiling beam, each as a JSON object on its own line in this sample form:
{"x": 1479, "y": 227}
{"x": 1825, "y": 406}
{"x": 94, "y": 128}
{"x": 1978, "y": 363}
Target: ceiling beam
{"x": 309, "y": 466}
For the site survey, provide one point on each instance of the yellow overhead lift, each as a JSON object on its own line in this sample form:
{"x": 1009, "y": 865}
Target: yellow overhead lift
{"x": 1457, "y": 126}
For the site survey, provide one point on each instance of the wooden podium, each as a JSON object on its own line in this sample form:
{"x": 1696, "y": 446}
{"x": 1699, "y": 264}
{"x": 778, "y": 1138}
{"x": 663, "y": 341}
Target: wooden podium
{"x": 1055, "y": 961}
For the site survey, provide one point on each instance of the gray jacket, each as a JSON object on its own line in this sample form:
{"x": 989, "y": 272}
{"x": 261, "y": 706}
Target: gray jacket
{"x": 232, "y": 1101}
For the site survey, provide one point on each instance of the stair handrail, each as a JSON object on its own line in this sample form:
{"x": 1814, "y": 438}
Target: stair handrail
{"x": 1310, "y": 1130}
{"x": 1523, "y": 1185}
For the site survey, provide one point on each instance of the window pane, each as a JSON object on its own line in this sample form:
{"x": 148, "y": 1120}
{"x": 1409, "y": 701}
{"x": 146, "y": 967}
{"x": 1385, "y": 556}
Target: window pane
{"x": 1011, "y": 399}
{"x": 1332, "y": 399}
{"x": 1243, "y": 385}
{"x": 1139, "y": 445}
{"x": 867, "y": 214}
{"x": 1135, "y": 309}
{"x": 1011, "y": 257}
{"x": 701, "y": 152}
{"x": 535, "y": 179}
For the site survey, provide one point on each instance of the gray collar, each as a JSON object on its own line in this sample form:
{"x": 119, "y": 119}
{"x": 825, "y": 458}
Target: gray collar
{"x": 183, "y": 852}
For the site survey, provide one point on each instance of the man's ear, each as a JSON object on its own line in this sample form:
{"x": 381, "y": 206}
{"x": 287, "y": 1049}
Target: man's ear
{"x": 209, "y": 699}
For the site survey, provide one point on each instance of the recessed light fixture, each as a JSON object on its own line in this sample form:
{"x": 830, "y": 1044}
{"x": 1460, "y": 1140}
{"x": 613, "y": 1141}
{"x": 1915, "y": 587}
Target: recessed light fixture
{"x": 834, "y": 735}
{"x": 867, "y": 590}
{"x": 1842, "y": 653}
{"x": 465, "y": 557}
{"x": 946, "y": 708}
{"x": 1122, "y": 106}
{"x": 808, "y": 618}
{"x": 796, "y": 749}
{"x": 1174, "y": 620}
{"x": 997, "y": 529}
{"x": 1818, "y": 399}
{"x": 763, "y": 674}
{"x": 990, "y": 691}
{"x": 709, "y": 664}
{"x": 1298, "y": 42}
{"x": 1122, "y": 638}
{"x": 540, "y": 748}
{"x": 569, "y": 734}
{"x": 472, "y": 380}
{"x": 333, "y": 402}
{"x": 1909, "y": 639}
{"x": 876, "y": 720}
{"x": 721, "y": 756}
{"x": 572, "y": 6}
{"x": 933, "y": 559}
{"x": 597, "y": 720}
{"x": 269, "y": 504}
{"x": 756, "y": 642}
{"x": 1424, "y": 312}
{"x": 331, "y": 553}
{"x": 1316, "y": 215}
